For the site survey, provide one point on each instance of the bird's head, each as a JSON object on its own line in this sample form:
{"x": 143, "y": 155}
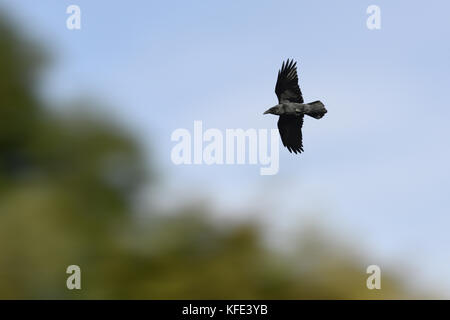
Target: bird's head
{"x": 277, "y": 110}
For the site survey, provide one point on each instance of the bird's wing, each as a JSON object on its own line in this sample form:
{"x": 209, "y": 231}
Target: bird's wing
{"x": 287, "y": 88}
{"x": 290, "y": 128}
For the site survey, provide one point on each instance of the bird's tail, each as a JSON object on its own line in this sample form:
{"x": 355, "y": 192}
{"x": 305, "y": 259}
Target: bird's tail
{"x": 316, "y": 109}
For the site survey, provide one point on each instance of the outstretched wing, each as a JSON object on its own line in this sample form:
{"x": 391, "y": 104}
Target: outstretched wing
{"x": 287, "y": 88}
{"x": 290, "y": 128}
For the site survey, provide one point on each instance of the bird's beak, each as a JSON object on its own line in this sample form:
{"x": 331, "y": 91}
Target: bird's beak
{"x": 266, "y": 112}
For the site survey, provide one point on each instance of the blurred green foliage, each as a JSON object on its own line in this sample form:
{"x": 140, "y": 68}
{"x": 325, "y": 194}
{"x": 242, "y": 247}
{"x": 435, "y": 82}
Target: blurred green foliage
{"x": 67, "y": 182}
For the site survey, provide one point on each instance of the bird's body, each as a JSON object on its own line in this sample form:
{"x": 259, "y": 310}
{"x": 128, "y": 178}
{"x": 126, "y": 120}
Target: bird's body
{"x": 313, "y": 109}
{"x": 291, "y": 107}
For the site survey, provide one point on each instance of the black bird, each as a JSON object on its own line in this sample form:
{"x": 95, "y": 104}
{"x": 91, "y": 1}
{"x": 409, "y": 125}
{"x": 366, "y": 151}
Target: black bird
{"x": 291, "y": 108}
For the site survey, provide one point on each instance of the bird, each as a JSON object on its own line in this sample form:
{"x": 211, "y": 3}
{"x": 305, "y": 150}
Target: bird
{"x": 291, "y": 107}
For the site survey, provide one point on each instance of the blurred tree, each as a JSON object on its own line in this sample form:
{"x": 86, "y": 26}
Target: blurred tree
{"x": 66, "y": 180}
{"x": 66, "y": 187}
{"x": 19, "y": 109}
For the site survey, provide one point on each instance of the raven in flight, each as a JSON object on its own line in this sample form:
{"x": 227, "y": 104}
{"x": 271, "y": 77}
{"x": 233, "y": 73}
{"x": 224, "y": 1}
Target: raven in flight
{"x": 291, "y": 108}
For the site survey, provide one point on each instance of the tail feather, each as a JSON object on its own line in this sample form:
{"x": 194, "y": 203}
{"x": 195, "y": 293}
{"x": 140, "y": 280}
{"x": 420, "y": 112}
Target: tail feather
{"x": 316, "y": 109}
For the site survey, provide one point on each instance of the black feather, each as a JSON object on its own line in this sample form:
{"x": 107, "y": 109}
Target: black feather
{"x": 290, "y": 128}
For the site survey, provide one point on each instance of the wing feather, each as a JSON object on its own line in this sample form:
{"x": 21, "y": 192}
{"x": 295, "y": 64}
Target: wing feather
{"x": 290, "y": 128}
{"x": 287, "y": 89}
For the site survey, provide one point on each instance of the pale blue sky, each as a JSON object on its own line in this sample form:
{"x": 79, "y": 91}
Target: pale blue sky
{"x": 376, "y": 167}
